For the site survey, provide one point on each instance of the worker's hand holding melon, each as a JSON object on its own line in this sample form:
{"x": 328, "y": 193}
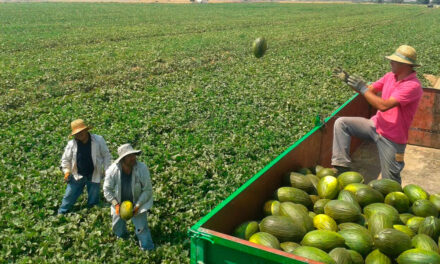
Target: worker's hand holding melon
{"x": 117, "y": 208}
{"x": 66, "y": 176}
{"x": 135, "y": 210}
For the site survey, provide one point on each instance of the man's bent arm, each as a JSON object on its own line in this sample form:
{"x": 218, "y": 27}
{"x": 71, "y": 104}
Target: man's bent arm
{"x": 379, "y": 103}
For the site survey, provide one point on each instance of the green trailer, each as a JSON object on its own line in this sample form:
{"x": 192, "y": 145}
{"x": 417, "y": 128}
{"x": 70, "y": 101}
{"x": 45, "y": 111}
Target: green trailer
{"x": 211, "y": 239}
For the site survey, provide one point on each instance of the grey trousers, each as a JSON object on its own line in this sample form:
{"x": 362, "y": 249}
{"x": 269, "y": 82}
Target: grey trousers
{"x": 390, "y": 153}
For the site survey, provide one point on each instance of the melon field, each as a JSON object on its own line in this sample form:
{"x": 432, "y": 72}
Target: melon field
{"x": 180, "y": 83}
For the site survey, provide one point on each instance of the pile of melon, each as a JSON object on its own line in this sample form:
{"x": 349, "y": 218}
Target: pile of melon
{"x": 339, "y": 219}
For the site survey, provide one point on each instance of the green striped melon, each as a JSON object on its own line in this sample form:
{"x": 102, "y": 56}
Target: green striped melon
{"x": 358, "y": 240}
{"x": 324, "y": 222}
{"x": 430, "y": 226}
{"x": 323, "y": 239}
{"x": 418, "y": 256}
{"x": 300, "y": 181}
{"x": 282, "y": 228}
{"x": 265, "y": 239}
{"x": 366, "y": 196}
{"x": 328, "y": 187}
{"x": 352, "y": 226}
{"x": 404, "y": 229}
{"x": 415, "y": 192}
{"x": 246, "y": 230}
{"x": 259, "y": 47}
{"x": 342, "y": 211}
{"x": 318, "y": 207}
{"x": 325, "y": 172}
{"x": 377, "y": 257}
{"x": 348, "y": 196}
{"x": 392, "y": 242}
{"x": 356, "y": 258}
{"x": 414, "y": 223}
{"x": 341, "y": 256}
{"x": 425, "y": 242}
{"x": 398, "y": 200}
{"x": 386, "y": 186}
{"x": 294, "y": 195}
{"x": 272, "y": 207}
{"x": 289, "y": 246}
{"x": 405, "y": 217}
{"x": 435, "y": 199}
{"x": 424, "y": 208}
{"x": 313, "y": 254}
{"x": 383, "y": 208}
{"x": 354, "y": 187}
{"x": 379, "y": 221}
{"x": 348, "y": 177}
{"x": 298, "y": 214}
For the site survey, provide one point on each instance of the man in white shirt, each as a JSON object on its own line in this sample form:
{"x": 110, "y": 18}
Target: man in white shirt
{"x": 85, "y": 159}
{"x": 128, "y": 179}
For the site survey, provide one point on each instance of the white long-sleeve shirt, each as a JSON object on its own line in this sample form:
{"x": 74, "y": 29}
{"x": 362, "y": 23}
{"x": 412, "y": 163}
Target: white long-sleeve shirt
{"x": 140, "y": 185}
{"x": 100, "y": 155}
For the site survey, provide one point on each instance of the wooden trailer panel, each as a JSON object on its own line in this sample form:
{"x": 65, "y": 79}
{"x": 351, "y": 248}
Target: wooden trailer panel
{"x": 425, "y": 129}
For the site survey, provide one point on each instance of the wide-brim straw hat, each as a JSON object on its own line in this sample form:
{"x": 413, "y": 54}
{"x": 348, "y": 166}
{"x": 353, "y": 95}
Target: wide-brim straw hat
{"x": 404, "y": 54}
{"x": 125, "y": 150}
{"x": 78, "y": 125}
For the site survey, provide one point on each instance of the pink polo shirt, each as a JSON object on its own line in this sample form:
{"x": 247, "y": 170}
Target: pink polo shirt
{"x": 394, "y": 123}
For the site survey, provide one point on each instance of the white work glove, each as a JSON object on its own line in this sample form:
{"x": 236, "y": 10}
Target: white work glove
{"x": 357, "y": 84}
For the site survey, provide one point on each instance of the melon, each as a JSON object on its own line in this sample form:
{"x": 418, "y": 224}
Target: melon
{"x": 259, "y": 47}
{"x": 126, "y": 210}
{"x": 246, "y": 229}
{"x": 265, "y": 239}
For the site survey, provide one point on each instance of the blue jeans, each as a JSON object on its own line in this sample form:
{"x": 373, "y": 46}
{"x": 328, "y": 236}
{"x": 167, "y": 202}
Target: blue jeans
{"x": 142, "y": 231}
{"x": 75, "y": 189}
{"x": 390, "y": 163}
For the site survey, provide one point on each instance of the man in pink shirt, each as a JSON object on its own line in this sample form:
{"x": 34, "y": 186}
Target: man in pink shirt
{"x": 395, "y": 96}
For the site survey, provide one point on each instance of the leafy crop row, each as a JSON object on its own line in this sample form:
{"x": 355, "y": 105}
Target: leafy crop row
{"x": 180, "y": 83}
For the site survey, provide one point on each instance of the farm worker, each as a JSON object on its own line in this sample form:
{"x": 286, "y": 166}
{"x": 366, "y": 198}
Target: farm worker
{"x": 128, "y": 179}
{"x": 85, "y": 159}
{"x": 388, "y": 128}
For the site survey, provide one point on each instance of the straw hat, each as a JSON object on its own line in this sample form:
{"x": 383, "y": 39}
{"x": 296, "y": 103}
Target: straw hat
{"x": 125, "y": 150}
{"x": 404, "y": 54}
{"x": 78, "y": 125}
